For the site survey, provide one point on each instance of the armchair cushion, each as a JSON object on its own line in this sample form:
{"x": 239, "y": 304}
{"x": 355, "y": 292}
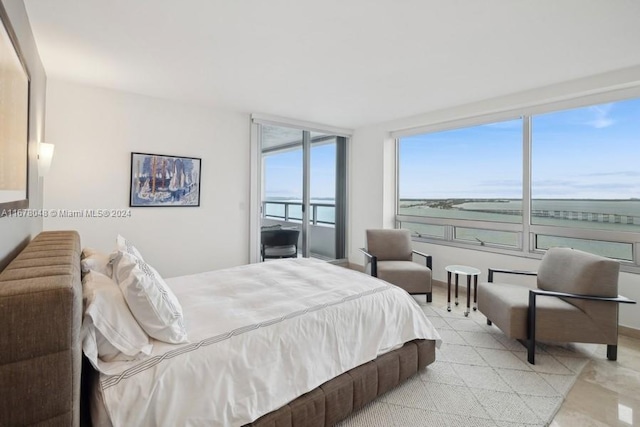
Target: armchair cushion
{"x": 577, "y": 272}
{"x": 410, "y": 276}
{"x": 556, "y": 320}
{"x": 389, "y": 245}
{"x": 280, "y": 251}
{"x": 391, "y": 256}
{"x": 572, "y": 271}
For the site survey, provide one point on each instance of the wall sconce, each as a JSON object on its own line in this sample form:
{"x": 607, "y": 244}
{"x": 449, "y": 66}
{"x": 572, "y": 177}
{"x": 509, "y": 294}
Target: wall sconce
{"x": 45, "y": 154}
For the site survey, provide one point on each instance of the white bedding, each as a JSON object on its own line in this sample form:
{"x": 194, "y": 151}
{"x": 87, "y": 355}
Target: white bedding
{"x": 259, "y": 336}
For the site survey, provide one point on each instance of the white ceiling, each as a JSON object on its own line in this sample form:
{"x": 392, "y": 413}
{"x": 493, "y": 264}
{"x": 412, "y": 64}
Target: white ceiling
{"x": 343, "y": 63}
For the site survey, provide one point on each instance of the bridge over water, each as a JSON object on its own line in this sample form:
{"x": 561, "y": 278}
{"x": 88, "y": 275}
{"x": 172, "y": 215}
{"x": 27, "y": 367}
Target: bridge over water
{"x": 567, "y": 214}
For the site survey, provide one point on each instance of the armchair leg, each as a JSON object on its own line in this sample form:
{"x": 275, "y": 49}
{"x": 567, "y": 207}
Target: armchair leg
{"x": 531, "y": 351}
{"x": 612, "y": 352}
{"x": 531, "y": 326}
{"x": 488, "y": 322}
{"x": 429, "y": 296}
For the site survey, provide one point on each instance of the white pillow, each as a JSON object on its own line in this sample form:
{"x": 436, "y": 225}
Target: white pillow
{"x": 109, "y": 329}
{"x": 96, "y": 261}
{"x": 150, "y": 299}
{"x": 95, "y": 346}
{"x": 125, "y": 245}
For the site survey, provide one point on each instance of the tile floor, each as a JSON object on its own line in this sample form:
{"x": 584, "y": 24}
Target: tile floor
{"x": 606, "y": 393}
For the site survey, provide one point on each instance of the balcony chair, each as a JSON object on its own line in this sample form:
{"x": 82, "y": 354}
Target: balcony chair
{"x": 576, "y": 300}
{"x": 279, "y": 243}
{"x": 389, "y": 257}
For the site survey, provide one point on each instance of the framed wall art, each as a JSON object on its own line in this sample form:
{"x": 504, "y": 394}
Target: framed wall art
{"x": 14, "y": 120}
{"x": 162, "y": 180}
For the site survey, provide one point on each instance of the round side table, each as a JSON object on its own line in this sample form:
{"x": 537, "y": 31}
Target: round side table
{"x": 468, "y": 271}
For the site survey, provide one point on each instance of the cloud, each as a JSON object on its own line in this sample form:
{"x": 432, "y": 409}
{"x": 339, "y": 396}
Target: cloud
{"x": 501, "y": 183}
{"x": 584, "y": 189}
{"x": 283, "y": 192}
{"x": 552, "y": 183}
{"x": 601, "y": 113}
{"x": 510, "y": 124}
{"x": 578, "y": 186}
{"x": 624, "y": 174}
{"x": 613, "y": 186}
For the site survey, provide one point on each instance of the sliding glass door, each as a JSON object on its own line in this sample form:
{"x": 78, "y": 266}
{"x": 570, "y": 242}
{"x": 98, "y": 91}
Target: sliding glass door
{"x": 303, "y": 187}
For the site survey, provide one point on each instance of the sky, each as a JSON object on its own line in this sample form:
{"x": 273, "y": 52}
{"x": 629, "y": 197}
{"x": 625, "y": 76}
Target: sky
{"x": 283, "y": 173}
{"x": 584, "y": 153}
{"x": 591, "y": 152}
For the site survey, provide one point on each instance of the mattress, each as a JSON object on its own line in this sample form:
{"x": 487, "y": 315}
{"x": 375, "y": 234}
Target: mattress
{"x": 259, "y": 336}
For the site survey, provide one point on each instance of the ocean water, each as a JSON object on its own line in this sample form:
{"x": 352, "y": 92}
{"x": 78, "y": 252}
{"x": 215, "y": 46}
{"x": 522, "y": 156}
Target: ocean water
{"x": 618, "y": 215}
{"x": 614, "y": 215}
{"x": 324, "y": 214}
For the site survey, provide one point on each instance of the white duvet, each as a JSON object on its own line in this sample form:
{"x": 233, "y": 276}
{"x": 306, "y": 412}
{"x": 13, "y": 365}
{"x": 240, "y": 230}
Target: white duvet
{"x": 259, "y": 336}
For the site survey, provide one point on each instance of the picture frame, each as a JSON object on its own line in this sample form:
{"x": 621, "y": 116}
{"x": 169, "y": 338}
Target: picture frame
{"x": 159, "y": 180}
{"x": 14, "y": 120}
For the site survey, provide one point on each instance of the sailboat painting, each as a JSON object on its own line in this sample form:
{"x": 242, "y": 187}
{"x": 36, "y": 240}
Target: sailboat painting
{"x": 159, "y": 180}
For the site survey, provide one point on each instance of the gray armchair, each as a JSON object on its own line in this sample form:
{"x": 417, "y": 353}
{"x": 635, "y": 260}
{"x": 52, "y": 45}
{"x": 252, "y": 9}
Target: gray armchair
{"x": 576, "y": 300}
{"x": 389, "y": 257}
{"x": 279, "y": 243}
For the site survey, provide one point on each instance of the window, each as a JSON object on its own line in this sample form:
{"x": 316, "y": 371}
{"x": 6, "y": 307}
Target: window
{"x": 303, "y": 186}
{"x": 585, "y": 170}
{"x": 283, "y": 178}
{"x": 584, "y": 182}
{"x": 445, "y": 175}
{"x": 441, "y": 174}
{"x": 621, "y": 251}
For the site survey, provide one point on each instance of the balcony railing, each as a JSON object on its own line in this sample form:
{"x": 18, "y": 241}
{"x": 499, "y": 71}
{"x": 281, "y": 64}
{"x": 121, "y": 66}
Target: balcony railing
{"x": 321, "y": 213}
{"x": 321, "y": 237}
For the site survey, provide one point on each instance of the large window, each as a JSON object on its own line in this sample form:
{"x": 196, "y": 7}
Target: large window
{"x": 304, "y": 176}
{"x": 446, "y": 175}
{"x": 586, "y": 167}
{"x": 467, "y": 186}
{"x": 441, "y": 174}
{"x": 283, "y": 174}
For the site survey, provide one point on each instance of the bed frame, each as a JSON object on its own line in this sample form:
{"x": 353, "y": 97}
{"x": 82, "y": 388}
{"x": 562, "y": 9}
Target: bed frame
{"x": 41, "y": 355}
{"x": 40, "y": 318}
{"x": 337, "y": 398}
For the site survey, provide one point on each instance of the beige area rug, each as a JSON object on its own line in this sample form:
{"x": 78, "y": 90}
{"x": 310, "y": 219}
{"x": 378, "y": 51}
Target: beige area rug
{"x": 480, "y": 378}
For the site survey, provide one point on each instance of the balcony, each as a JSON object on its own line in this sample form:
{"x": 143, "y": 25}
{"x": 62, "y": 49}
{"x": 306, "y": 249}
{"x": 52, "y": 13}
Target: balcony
{"x": 322, "y": 236}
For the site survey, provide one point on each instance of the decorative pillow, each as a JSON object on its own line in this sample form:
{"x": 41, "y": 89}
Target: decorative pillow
{"x": 87, "y": 252}
{"x": 96, "y": 261}
{"x": 150, "y": 299}
{"x": 125, "y": 245}
{"x": 109, "y": 329}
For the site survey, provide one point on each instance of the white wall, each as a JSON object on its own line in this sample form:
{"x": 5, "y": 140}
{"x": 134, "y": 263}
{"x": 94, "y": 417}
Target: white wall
{"x": 366, "y": 188}
{"x": 95, "y": 130}
{"x": 15, "y": 232}
{"x": 373, "y": 178}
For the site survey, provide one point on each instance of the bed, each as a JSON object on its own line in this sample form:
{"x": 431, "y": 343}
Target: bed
{"x": 40, "y": 374}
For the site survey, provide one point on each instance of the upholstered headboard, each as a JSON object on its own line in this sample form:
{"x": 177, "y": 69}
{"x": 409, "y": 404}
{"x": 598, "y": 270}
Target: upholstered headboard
{"x": 40, "y": 319}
